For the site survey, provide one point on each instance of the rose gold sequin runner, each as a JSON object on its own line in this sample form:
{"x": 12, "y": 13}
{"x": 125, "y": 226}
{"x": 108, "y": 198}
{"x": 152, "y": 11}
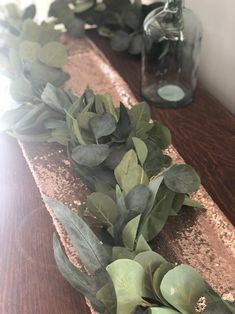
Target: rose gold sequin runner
{"x": 204, "y": 238}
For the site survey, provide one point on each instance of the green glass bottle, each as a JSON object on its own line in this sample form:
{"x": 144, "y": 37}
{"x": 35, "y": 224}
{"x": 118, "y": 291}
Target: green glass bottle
{"x": 170, "y": 56}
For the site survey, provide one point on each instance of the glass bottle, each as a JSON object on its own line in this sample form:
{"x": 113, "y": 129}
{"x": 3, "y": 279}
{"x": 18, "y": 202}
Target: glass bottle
{"x": 170, "y": 57}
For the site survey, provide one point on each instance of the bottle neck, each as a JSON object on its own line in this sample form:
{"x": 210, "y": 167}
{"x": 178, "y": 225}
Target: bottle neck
{"x": 174, "y": 4}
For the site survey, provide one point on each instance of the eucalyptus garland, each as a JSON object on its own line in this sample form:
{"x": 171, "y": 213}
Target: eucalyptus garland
{"x": 120, "y": 21}
{"x": 124, "y": 274}
{"x": 119, "y": 153}
{"x": 121, "y": 280}
{"x": 34, "y": 52}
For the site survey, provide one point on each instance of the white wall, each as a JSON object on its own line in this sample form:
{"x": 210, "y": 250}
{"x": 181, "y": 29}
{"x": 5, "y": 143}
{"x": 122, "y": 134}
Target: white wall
{"x": 217, "y": 67}
{"x": 42, "y": 8}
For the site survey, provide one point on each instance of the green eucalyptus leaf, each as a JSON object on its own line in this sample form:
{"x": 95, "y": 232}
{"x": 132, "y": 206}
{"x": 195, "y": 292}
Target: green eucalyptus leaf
{"x": 62, "y": 77}
{"x": 54, "y": 124}
{"x": 130, "y": 231}
{"x": 8, "y": 40}
{"x": 106, "y": 189}
{"x": 128, "y": 279}
{"x": 131, "y": 179}
{"x": 15, "y": 24}
{"x": 103, "y": 125}
{"x": 102, "y": 207}
{"x": 11, "y": 117}
{"x": 60, "y": 135}
{"x": 29, "y": 12}
{"x": 182, "y": 179}
{"x": 123, "y": 219}
{"x": 150, "y": 261}
{"x": 141, "y": 149}
{"x": 12, "y": 10}
{"x": 30, "y": 118}
{"x": 160, "y": 136}
{"x": 155, "y": 218}
{"x": 119, "y": 252}
{"x": 84, "y": 241}
{"x": 86, "y": 101}
{"x": 115, "y": 156}
{"x": 53, "y": 54}
{"x": 128, "y": 173}
{"x": 120, "y": 200}
{"x": 109, "y": 106}
{"x": 84, "y": 120}
{"x": 56, "y": 98}
{"x": 77, "y": 137}
{"x": 218, "y": 307}
{"x": 157, "y": 277}
{"x": 182, "y": 287}
{"x": 48, "y": 33}
{"x": 123, "y": 126}
{"x": 140, "y": 117}
{"x": 127, "y": 164}
{"x": 177, "y": 203}
{"x": 120, "y": 41}
{"x": 138, "y": 198}
{"x": 15, "y": 61}
{"x": 77, "y": 279}
{"x": 192, "y": 203}
{"x": 141, "y": 245}
{"x": 156, "y": 161}
{"x": 90, "y": 155}
{"x": 30, "y": 31}
{"x": 41, "y": 74}
{"x": 105, "y": 296}
{"x": 139, "y": 113}
{"x": 154, "y": 187}
{"x": 62, "y": 12}
{"x": 21, "y": 89}
{"x": 29, "y": 50}
{"x": 37, "y": 138}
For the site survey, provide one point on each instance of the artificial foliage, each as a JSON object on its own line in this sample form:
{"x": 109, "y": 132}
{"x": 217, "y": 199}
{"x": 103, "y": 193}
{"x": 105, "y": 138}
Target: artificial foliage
{"x": 120, "y": 21}
{"x": 129, "y": 205}
{"x": 119, "y": 154}
{"x": 124, "y": 280}
{"x": 34, "y": 52}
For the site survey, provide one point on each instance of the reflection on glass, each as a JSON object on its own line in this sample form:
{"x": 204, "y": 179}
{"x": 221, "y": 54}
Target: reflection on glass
{"x": 170, "y": 58}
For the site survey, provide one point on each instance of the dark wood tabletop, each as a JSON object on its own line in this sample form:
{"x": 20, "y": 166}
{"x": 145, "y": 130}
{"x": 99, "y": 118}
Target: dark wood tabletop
{"x": 204, "y": 134}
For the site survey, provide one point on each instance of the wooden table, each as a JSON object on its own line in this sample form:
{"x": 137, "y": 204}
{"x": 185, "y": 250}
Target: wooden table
{"x": 30, "y": 283}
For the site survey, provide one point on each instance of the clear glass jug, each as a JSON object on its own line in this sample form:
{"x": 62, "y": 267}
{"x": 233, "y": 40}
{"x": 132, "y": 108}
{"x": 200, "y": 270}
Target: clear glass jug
{"x": 170, "y": 56}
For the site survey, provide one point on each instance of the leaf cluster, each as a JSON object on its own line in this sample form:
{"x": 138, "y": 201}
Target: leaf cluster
{"x": 97, "y": 134}
{"x": 102, "y": 134}
{"x": 120, "y": 21}
{"x": 12, "y": 19}
{"x": 34, "y": 53}
{"x": 122, "y": 280}
{"x": 116, "y": 152}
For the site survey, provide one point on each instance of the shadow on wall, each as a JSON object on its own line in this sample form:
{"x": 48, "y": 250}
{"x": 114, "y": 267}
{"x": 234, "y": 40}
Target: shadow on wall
{"x": 217, "y": 67}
